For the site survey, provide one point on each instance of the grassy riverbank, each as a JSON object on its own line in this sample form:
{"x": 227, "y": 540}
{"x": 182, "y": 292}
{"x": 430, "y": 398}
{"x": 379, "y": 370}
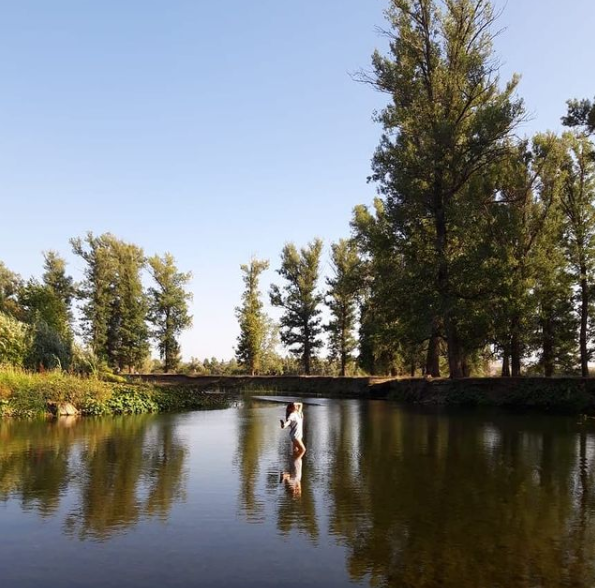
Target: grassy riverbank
{"x": 25, "y": 394}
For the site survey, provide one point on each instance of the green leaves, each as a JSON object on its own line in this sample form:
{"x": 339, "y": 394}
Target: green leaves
{"x": 300, "y": 300}
{"x": 168, "y": 307}
{"x": 255, "y": 326}
{"x": 445, "y": 132}
{"x": 344, "y": 289}
{"x": 14, "y": 340}
{"x": 115, "y": 304}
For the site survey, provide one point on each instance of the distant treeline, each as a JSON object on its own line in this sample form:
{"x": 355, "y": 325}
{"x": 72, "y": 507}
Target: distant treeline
{"x": 118, "y": 318}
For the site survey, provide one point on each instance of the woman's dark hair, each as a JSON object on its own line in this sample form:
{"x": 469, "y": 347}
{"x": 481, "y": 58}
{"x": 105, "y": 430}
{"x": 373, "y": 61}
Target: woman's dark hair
{"x": 290, "y": 408}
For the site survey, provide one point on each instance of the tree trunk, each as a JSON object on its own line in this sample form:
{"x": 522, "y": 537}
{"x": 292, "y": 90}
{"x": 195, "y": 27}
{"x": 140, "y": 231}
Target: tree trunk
{"x": 455, "y": 363}
{"x": 307, "y": 350}
{"x": 455, "y": 358}
{"x": 515, "y": 348}
{"x": 548, "y": 346}
{"x": 167, "y": 363}
{"x": 166, "y": 366}
{"x": 506, "y": 362}
{"x": 465, "y": 366}
{"x": 433, "y": 357}
{"x": 584, "y": 321}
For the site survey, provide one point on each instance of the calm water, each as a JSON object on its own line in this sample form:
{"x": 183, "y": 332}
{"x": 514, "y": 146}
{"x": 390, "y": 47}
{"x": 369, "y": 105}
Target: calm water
{"x": 388, "y": 496}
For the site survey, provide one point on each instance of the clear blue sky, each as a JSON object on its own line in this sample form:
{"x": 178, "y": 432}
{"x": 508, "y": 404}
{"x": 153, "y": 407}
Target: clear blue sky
{"x": 218, "y": 130}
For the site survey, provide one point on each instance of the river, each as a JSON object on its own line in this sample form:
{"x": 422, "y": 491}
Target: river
{"x": 386, "y": 495}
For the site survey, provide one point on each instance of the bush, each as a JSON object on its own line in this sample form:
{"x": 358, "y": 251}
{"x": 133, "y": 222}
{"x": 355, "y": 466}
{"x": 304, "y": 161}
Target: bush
{"x": 48, "y": 349}
{"x": 84, "y": 362}
{"x": 15, "y": 340}
{"x": 26, "y": 394}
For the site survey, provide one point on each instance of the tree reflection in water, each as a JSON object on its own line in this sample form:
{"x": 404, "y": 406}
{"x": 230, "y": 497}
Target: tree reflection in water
{"x": 119, "y": 469}
{"x": 410, "y": 498}
{"x": 461, "y": 502}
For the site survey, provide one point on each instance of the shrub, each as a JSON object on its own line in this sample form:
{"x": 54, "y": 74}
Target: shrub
{"x": 15, "y": 340}
{"x": 48, "y": 349}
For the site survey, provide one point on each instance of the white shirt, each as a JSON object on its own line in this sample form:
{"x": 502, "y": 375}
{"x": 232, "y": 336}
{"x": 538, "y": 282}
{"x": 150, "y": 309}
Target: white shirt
{"x": 295, "y": 422}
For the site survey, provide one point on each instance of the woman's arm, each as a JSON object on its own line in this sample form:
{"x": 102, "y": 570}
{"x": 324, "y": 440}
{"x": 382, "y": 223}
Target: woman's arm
{"x": 285, "y": 423}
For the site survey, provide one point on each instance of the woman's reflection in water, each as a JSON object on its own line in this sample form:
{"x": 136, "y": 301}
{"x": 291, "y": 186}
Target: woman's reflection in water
{"x": 293, "y": 478}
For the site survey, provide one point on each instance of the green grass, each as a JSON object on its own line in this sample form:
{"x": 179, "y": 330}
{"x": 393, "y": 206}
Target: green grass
{"x": 27, "y": 394}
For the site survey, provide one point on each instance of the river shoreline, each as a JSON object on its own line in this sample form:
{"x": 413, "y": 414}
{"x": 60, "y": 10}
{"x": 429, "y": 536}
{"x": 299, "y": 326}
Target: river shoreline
{"x": 565, "y": 395}
{"x": 25, "y": 394}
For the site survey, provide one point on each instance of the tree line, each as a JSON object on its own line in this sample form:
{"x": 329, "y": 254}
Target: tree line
{"x": 118, "y": 317}
{"x": 480, "y": 244}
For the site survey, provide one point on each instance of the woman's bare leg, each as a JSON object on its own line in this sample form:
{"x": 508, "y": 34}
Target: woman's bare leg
{"x": 298, "y": 447}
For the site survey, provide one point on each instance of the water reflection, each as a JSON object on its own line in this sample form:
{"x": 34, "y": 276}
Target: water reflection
{"x": 293, "y": 478}
{"x": 451, "y": 501}
{"x": 426, "y": 499}
{"x": 384, "y": 496}
{"x": 261, "y": 441}
{"x": 118, "y": 470}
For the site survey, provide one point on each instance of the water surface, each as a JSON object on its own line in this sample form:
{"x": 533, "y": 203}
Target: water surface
{"x": 385, "y": 496}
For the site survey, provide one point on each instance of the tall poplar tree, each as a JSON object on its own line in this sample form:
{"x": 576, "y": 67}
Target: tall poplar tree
{"x": 524, "y": 227}
{"x": 55, "y": 278}
{"x": 96, "y": 290}
{"x": 168, "y": 307}
{"x": 115, "y": 304}
{"x": 578, "y": 204}
{"x": 300, "y": 300}
{"x": 447, "y": 125}
{"x": 254, "y": 324}
{"x": 344, "y": 287}
{"x": 400, "y": 327}
{"x": 555, "y": 324}
{"x": 128, "y": 325}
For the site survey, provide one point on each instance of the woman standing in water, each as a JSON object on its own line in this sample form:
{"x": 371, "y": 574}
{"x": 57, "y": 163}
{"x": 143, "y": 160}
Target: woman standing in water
{"x": 294, "y": 419}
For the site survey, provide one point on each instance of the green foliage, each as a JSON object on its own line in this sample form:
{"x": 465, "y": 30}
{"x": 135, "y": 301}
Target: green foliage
{"x": 41, "y": 304}
{"x": 115, "y": 304}
{"x": 445, "y": 132}
{"x": 26, "y": 394}
{"x": 394, "y": 325}
{"x": 254, "y": 324}
{"x": 344, "y": 288}
{"x": 55, "y": 278}
{"x": 577, "y": 205}
{"x": 29, "y": 393}
{"x": 49, "y": 317}
{"x": 14, "y": 340}
{"x": 168, "y": 307}
{"x": 10, "y": 284}
{"x": 300, "y": 301}
{"x": 48, "y": 350}
{"x": 581, "y": 113}
{"x": 84, "y": 362}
